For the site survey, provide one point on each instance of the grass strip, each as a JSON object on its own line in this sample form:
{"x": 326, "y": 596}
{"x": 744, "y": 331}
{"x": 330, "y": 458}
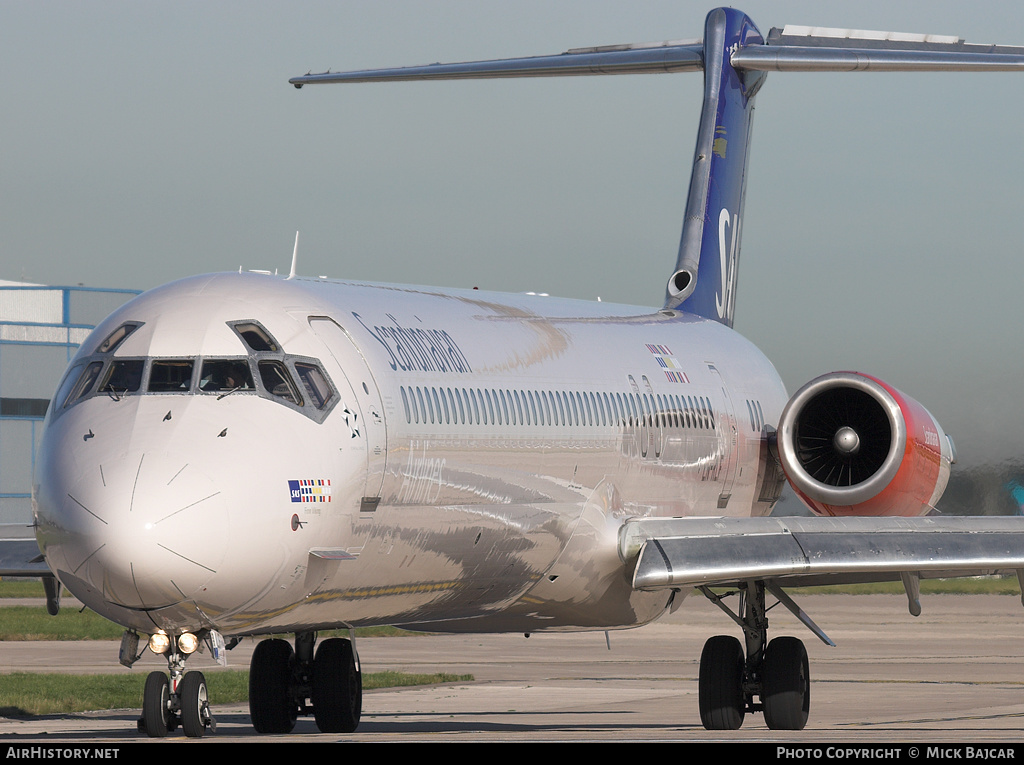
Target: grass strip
{"x": 977, "y": 585}
{"x": 33, "y": 623}
{"x": 25, "y": 693}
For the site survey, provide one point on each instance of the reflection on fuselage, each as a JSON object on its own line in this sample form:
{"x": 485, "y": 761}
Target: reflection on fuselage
{"x": 301, "y": 471}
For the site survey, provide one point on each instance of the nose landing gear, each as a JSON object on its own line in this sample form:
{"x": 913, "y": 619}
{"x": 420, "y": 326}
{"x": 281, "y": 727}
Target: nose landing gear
{"x": 188, "y": 704}
{"x": 167, "y": 702}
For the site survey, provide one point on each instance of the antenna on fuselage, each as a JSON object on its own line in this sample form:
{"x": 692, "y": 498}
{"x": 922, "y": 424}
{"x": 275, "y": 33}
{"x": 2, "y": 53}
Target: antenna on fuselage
{"x": 295, "y": 257}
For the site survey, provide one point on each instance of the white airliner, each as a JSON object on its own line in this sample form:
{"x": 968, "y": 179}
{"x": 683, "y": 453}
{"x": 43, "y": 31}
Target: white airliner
{"x": 243, "y": 454}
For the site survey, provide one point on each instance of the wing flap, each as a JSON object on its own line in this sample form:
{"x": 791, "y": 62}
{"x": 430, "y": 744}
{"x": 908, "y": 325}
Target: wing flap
{"x": 682, "y": 552}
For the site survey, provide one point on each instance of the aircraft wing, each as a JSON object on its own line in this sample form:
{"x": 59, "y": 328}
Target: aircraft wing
{"x": 21, "y": 557}
{"x": 797, "y": 551}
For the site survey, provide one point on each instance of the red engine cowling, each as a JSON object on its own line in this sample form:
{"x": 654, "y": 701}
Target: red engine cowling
{"x": 851, "y": 445}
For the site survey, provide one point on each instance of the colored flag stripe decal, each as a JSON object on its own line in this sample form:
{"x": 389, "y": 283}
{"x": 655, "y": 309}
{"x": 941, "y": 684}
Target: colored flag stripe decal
{"x": 310, "y": 490}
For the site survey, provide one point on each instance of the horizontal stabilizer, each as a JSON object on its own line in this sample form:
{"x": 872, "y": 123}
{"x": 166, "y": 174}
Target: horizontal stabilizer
{"x": 815, "y": 49}
{"x": 791, "y": 49}
{"x": 21, "y": 557}
{"x": 734, "y": 57}
{"x": 789, "y": 58}
{"x": 687, "y": 552}
{"x": 619, "y": 59}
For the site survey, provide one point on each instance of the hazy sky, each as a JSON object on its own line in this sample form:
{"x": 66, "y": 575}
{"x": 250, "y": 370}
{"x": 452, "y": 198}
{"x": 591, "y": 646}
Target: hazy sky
{"x": 143, "y": 142}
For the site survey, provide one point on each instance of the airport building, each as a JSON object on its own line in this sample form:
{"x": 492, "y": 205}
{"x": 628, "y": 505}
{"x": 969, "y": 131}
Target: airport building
{"x": 40, "y": 329}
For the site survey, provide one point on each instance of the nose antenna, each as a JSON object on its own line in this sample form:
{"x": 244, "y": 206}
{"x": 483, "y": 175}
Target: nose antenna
{"x": 295, "y": 257}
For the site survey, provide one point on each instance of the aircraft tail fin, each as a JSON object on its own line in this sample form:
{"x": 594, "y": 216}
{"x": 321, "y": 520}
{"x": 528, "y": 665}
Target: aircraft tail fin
{"x": 710, "y": 243}
{"x": 735, "y": 58}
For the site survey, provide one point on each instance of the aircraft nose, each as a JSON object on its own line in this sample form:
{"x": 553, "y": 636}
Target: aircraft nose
{"x": 146, "y": 529}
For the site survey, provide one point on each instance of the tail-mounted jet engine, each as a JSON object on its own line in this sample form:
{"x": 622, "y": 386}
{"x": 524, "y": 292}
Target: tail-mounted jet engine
{"x": 850, "y": 444}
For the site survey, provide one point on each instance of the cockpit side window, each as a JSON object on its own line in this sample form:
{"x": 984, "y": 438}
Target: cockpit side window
{"x": 316, "y": 386}
{"x": 171, "y": 376}
{"x": 84, "y": 382}
{"x": 116, "y": 337}
{"x": 276, "y": 379}
{"x": 63, "y": 392}
{"x": 256, "y": 337}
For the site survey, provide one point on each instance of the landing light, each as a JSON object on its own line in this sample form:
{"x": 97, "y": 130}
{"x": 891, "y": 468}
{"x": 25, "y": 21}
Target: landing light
{"x": 159, "y": 643}
{"x": 188, "y": 643}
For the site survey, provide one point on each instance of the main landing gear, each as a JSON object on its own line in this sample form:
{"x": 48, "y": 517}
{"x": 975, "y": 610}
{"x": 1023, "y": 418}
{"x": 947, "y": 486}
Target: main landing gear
{"x": 286, "y": 682}
{"x": 776, "y": 672}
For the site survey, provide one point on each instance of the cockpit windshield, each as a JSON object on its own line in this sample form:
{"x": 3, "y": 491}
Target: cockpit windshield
{"x": 219, "y": 375}
{"x": 123, "y": 376}
{"x": 266, "y": 371}
{"x": 171, "y": 376}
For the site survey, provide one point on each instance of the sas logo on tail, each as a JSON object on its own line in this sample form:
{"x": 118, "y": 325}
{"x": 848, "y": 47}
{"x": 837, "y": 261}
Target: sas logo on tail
{"x": 310, "y": 490}
{"x": 720, "y": 143}
{"x": 728, "y": 250}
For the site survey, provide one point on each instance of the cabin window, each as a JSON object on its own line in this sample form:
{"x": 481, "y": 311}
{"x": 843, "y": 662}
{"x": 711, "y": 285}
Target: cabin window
{"x": 437, "y": 404}
{"x": 479, "y": 408}
{"x": 423, "y": 406}
{"x": 462, "y": 408}
{"x": 428, "y": 408}
{"x": 415, "y": 406}
{"x": 405, "y": 402}
{"x": 490, "y": 406}
{"x": 449, "y": 407}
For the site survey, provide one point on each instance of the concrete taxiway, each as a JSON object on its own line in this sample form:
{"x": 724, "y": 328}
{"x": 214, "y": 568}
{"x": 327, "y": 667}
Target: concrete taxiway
{"x": 954, "y": 674}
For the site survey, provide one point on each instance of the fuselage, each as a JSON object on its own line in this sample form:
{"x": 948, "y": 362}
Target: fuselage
{"x": 252, "y": 454}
